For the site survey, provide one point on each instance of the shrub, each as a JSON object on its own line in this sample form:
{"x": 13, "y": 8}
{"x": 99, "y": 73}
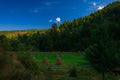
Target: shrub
{"x": 73, "y": 72}
{"x": 29, "y": 62}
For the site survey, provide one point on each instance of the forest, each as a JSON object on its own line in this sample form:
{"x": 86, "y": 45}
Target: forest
{"x": 74, "y": 35}
{"x": 97, "y": 36}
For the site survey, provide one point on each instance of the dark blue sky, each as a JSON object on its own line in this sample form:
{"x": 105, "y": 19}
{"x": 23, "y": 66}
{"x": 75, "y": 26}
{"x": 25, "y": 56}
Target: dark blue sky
{"x": 40, "y": 14}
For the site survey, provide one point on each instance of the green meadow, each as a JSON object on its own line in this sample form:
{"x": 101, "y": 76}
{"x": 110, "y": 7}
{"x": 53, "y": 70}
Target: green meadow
{"x": 68, "y": 58}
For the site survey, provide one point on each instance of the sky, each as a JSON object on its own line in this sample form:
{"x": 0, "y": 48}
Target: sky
{"x": 41, "y": 14}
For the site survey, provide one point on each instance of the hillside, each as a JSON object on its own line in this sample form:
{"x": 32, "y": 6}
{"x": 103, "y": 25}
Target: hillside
{"x": 15, "y": 33}
{"x": 101, "y": 26}
{"x": 85, "y": 31}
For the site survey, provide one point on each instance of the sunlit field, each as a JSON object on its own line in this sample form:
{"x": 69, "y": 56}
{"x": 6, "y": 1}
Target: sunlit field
{"x": 68, "y": 58}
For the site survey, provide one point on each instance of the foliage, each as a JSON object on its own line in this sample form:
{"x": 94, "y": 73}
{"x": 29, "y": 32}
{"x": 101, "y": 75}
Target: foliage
{"x": 102, "y": 58}
{"x": 74, "y": 35}
{"x": 29, "y": 61}
{"x": 73, "y": 72}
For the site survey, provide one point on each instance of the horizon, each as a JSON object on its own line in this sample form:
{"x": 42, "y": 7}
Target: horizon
{"x": 41, "y": 14}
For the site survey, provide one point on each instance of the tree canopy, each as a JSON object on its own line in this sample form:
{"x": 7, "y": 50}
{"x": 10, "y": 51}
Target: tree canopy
{"x": 76, "y": 35}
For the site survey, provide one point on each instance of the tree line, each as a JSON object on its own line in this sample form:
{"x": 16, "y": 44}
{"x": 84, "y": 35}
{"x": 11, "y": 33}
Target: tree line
{"x": 75, "y": 35}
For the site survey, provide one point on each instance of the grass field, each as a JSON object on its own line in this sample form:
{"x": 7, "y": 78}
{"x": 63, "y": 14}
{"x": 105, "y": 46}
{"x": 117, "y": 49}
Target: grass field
{"x": 68, "y": 58}
{"x": 72, "y": 59}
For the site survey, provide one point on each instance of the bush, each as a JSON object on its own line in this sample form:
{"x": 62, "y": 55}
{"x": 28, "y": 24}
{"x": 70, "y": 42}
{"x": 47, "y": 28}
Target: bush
{"x": 29, "y": 62}
{"x": 73, "y": 72}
